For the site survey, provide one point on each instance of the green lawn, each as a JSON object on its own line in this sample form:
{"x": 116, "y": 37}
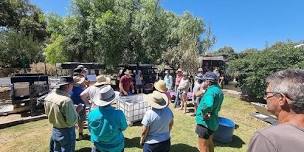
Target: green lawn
{"x": 34, "y": 136}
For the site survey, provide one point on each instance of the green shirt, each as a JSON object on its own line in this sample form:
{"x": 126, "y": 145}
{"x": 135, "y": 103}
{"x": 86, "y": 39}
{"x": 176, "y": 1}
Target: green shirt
{"x": 60, "y": 110}
{"x": 210, "y": 103}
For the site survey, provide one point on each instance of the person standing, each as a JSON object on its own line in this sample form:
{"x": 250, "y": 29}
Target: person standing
{"x": 207, "y": 112}
{"x": 62, "y": 115}
{"x": 157, "y": 124}
{"x": 168, "y": 80}
{"x": 285, "y": 99}
{"x": 198, "y": 91}
{"x": 139, "y": 82}
{"x": 179, "y": 77}
{"x": 160, "y": 86}
{"x": 88, "y": 94}
{"x": 184, "y": 89}
{"x": 126, "y": 86}
{"x": 106, "y": 123}
{"x": 75, "y": 96}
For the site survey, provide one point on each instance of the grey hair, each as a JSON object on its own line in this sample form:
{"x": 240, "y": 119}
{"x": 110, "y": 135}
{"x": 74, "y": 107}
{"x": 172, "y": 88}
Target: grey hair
{"x": 289, "y": 82}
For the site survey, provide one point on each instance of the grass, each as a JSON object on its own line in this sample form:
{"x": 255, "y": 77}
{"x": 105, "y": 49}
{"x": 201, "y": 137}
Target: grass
{"x": 34, "y": 136}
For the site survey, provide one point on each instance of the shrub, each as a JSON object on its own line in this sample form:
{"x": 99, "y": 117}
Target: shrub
{"x": 251, "y": 70}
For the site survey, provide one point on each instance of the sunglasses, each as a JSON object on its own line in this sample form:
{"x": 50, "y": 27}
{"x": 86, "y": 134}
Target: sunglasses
{"x": 274, "y": 94}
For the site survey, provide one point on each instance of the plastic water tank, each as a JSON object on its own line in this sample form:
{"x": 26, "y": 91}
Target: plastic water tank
{"x": 225, "y": 131}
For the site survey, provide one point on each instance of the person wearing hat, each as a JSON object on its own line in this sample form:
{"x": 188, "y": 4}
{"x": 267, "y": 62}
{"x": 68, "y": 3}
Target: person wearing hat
{"x": 168, "y": 80}
{"x": 106, "y": 123}
{"x": 157, "y": 124}
{"x": 207, "y": 112}
{"x": 198, "y": 90}
{"x": 126, "y": 86}
{"x": 75, "y": 96}
{"x": 178, "y": 78}
{"x": 160, "y": 86}
{"x": 183, "y": 89}
{"x": 88, "y": 94}
{"x": 62, "y": 115}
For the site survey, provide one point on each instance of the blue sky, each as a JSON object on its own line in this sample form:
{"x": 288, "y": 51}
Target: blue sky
{"x": 240, "y": 24}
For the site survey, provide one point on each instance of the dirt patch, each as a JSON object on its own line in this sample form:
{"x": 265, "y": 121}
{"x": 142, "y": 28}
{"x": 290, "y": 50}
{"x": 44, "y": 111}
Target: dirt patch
{"x": 9, "y": 118}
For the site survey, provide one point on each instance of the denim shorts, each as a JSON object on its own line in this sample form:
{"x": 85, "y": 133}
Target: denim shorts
{"x": 203, "y": 132}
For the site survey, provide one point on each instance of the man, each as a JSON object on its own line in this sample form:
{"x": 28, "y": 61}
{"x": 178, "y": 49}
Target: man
{"x": 62, "y": 115}
{"x": 88, "y": 94}
{"x": 126, "y": 86}
{"x": 179, "y": 77}
{"x": 168, "y": 80}
{"x": 207, "y": 112}
{"x": 75, "y": 96}
{"x": 285, "y": 99}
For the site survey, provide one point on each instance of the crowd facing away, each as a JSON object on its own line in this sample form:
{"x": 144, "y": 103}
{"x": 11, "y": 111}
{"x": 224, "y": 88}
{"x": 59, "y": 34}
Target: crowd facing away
{"x": 66, "y": 108}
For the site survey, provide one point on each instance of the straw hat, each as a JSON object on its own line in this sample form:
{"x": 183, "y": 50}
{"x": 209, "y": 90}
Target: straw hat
{"x": 156, "y": 100}
{"x": 102, "y": 80}
{"x": 160, "y": 86}
{"x": 78, "y": 79}
{"x": 128, "y": 72}
{"x": 179, "y": 70}
{"x": 105, "y": 96}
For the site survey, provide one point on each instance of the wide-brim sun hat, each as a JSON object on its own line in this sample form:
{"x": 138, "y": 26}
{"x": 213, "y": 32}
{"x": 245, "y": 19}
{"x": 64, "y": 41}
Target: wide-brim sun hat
{"x": 128, "y": 72}
{"x": 160, "y": 85}
{"x": 78, "y": 79}
{"x": 102, "y": 80}
{"x": 105, "y": 96}
{"x": 156, "y": 100}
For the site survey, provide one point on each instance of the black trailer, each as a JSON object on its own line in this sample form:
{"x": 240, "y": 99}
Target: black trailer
{"x": 28, "y": 90}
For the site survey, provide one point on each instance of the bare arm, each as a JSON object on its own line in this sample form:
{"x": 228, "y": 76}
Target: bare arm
{"x": 85, "y": 97}
{"x": 122, "y": 89}
{"x": 144, "y": 134}
{"x": 171, "y": 125}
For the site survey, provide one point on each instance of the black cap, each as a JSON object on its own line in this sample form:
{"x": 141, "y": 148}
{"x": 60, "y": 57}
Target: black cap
{"x": 64, "y": 80}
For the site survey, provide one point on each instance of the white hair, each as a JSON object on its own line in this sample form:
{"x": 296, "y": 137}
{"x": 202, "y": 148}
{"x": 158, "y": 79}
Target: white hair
{"x": 289, "y": 82}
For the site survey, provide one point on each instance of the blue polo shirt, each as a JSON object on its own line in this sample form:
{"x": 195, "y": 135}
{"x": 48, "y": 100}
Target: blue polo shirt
{"x": 106, "y": 125}
{"x": 75, "y": 95}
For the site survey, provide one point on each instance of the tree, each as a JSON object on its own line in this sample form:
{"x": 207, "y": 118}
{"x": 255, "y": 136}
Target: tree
{"x": 18, "y": 50}
{"x": 254, "y": 68}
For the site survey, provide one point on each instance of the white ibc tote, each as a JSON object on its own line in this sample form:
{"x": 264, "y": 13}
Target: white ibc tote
{"x": 133, "y": 107}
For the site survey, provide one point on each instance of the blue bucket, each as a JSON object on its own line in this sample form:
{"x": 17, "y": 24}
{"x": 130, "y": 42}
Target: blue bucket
{"x": 225, "y": 131}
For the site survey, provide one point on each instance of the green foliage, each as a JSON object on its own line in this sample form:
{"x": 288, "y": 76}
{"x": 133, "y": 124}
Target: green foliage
{"x": 23, "y": 31}
{"x": 18, "y": 50}
{"x": 252, "y": 69}
{"x": 131, "y": 31}
{"x": 54, "y": 51}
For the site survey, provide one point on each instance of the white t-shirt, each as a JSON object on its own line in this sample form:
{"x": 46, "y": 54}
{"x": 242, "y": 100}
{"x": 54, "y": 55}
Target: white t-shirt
{"x": 91, "y": 90}
{"x": 138, "y": 80}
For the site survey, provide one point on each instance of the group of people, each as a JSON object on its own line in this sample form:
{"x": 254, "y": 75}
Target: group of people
{"x": 284, "y": 96}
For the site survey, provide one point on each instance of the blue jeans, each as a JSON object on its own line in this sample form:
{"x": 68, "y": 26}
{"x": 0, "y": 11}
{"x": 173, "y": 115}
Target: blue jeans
{"x": 63, "y": 140}
{"x": 158, "y": 147}
{"x": 177, "y": 100}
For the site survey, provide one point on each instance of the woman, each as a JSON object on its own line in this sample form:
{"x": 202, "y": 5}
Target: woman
{"x": 183, "y": 89}
{"x": 106, "y": 123}
{"x": 160, "y": 86}
{"x": 157, "y": 124}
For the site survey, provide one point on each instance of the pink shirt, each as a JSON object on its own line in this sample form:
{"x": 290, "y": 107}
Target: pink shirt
{"x": 178, "y": 79}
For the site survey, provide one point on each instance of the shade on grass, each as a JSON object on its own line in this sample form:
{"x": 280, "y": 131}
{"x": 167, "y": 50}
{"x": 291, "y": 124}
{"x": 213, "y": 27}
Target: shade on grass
{"x": 34, "y": 136}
